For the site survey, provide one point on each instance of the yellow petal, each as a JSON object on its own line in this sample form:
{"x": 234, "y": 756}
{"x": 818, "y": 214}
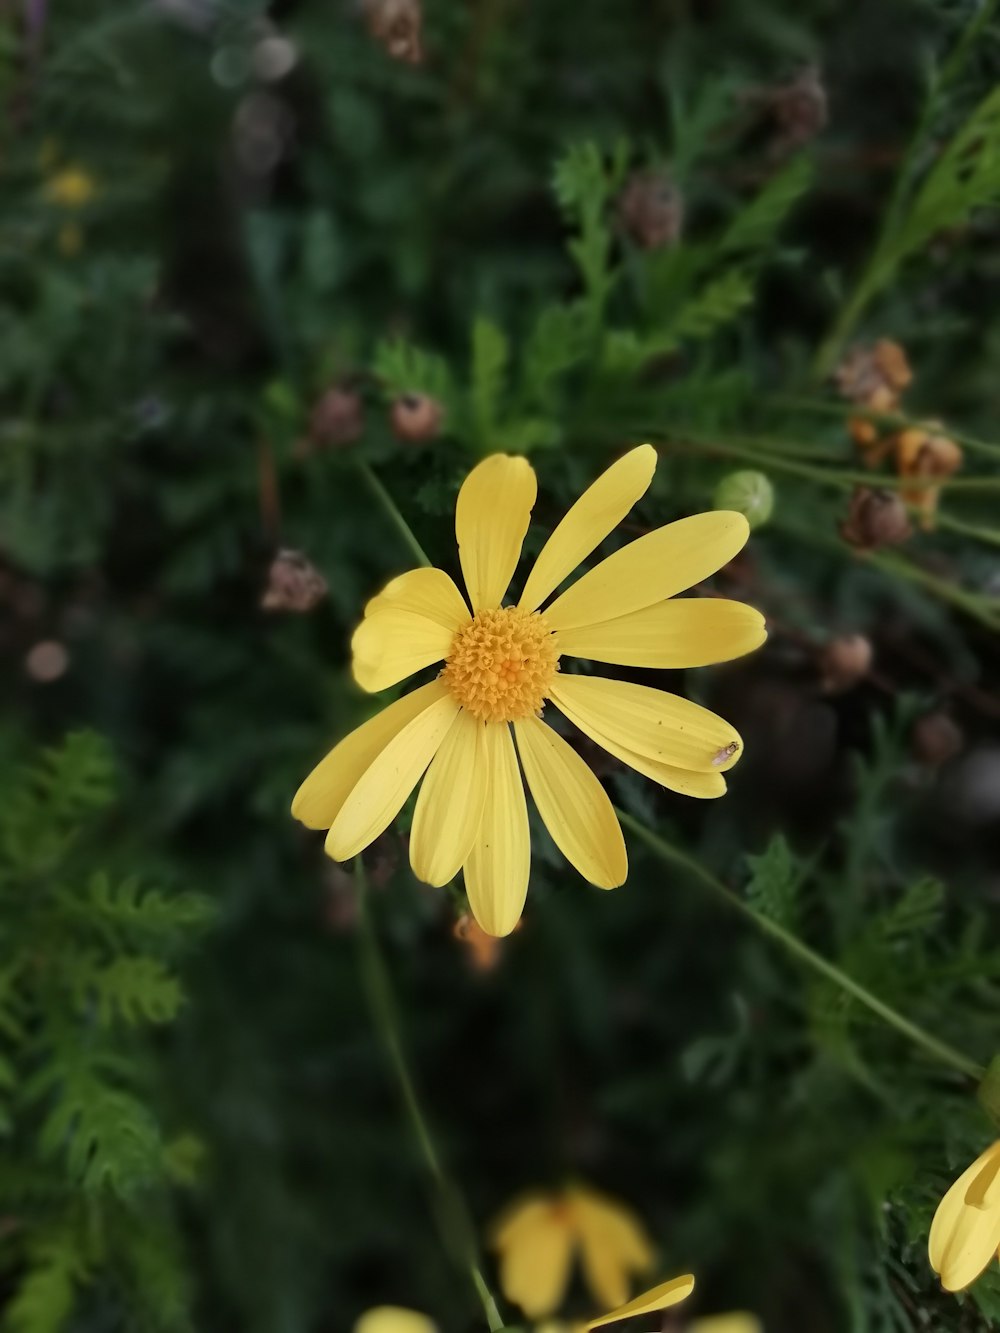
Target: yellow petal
{"x": 690, "y": 632}
{"x": 535, "y": 1257}
{"x": 391, "y": 644}
{"x": 425, "y": 592}
{"x": 377, "y": 797}
{"x": 657, "y": 1298}
{"x": 984, "y": 1192}
{"x": 613, "y": 1243}
{"x": 496, "y": 873}
{"x": 573, "y": 804}
{"x": 599, "y": 509}
{"x": 650, "y": 722}
{"x": 737, "y": 1322}
{"x": 650, "y": 569}
{"x": 491, "y": 518}
{"x": 394, "y": 1319}
{"x": 963, "y": 1238}
{"x": 318, "y": 801}
{"x": 684, "y": 781}
{"x": 450, "y": 804}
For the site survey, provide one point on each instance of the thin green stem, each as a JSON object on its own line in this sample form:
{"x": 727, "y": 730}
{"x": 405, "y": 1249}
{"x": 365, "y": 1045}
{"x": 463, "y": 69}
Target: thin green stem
{"x": 457, "y": 1232}
{"x": 940, "y": 1050}
{"x": 397, "y": 519}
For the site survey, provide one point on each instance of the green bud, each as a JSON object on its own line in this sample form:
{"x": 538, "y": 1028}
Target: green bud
{"x": 749, "y": 493}
{"x": 988, "y": 1093}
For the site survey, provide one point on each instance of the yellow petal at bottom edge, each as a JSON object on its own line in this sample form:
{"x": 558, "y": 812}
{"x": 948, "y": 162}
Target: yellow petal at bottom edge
{"x": 496, "y": 873}
{"x": 394, "y": 1319}
{"x": 737, "y": 1322}
{"x": 613, "y": 1244}
{"x": 657, "y": 1298}
{"x": 535, "y": 1257}
{"x": 963, "y": 1239}
{"x": 574, "y": 806}
{"x": 318, "y": 801}
{"x": 378, "y": 796}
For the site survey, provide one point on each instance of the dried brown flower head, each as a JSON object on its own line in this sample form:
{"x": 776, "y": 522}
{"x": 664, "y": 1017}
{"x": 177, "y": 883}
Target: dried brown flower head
{"x": 800, "y": 109}
{"x": 874, "y": 377}
{"x": 397, "y": 25}
{"x": 936, "y": 738}
{"x": 293, "y": 584}
{"x": 416, "y": 417}
{"x": 651, "y": 210}
{"x": 874, "y": 519}
{"x": 928, "y": 456}
{"x": 844, "y": 662}
{"x": 337, "y": 419}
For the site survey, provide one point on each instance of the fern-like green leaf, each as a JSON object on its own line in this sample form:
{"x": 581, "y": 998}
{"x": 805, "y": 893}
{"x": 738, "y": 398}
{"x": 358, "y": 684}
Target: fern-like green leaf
{"x": 109, "y": 1138}
{"x": 489, "y": 362}
{"x": 756, "y": 225}
{"x": 133, "y": 987}
{"x": 775, "y": 879}
{"x": 43, "y": 1300}
{"x": 404, "y": 368}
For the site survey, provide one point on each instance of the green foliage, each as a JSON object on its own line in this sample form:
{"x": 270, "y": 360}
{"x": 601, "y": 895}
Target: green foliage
{"x": 756, "y": 226}
{"x": 776, "y": 878}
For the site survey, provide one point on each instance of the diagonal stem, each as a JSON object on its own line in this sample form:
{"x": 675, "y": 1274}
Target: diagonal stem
{"x": 456, "y": 1229}
{"x": 390, "y": 507}
{"x": 940, "y": 1050}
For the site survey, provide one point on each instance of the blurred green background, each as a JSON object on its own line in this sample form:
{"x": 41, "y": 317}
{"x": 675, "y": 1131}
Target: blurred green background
{"x": 252, "y": 256}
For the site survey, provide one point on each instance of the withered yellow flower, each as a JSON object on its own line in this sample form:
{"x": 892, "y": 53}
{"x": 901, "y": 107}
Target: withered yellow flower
{"x": 393, "y": 1319}
{"x": 965, "y": 1233}
{"x": 72, "y": 187}
{"x": 502, "y": 666}
{"x": 539, "y": 1237}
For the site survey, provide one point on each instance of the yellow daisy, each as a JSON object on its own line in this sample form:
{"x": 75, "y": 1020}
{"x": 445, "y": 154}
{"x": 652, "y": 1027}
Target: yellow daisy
{"x": 394, "y": 1319}
{"x": 965, "y": 1233}
{"x": 502, "y": 665}
{"x": 72, "y": 187}
{"x": 538, "y": 1238}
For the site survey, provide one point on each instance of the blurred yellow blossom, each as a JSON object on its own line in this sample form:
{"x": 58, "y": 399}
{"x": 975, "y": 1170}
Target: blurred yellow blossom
{"x": 72, "y": 187}
{"x": 394, "y": 1319}
{"x": 737, "y": 1322}
{"x": 539, "y": 1237}
{"x": 965, "y": 1233}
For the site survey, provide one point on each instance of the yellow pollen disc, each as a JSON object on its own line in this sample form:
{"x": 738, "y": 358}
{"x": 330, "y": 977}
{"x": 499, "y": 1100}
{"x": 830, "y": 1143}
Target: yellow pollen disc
{"x": 501, "y": 666}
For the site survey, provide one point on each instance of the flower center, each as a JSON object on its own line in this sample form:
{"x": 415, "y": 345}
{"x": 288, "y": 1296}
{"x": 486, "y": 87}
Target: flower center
{"x": 501, "y": 665}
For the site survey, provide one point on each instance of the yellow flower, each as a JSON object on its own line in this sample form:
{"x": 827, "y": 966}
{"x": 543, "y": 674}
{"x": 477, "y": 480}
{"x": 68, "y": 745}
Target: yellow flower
{"x": 70, "y": 188}
{"x": 392, "y": 1319}
{"x": 502, "y": 664}
{"x": 965, "y": 1233}
{"x": 539, "y": 1237}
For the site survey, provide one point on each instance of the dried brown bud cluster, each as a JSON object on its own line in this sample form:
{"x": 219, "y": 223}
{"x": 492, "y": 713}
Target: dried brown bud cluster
{"x": 651, "y": 210}
{"x": 293, "y": 584}
{"x": 337, "y": 419}
{"x": 416, "y": 417}
{"x": 800, "y": 110}
{"x": 927, "y": 456}
{"x": 874, "y": 519}
{"x": 397, "y": 25}
{"x": 844, "y": 662}
{"x": 875, "y": 377}
{"x": 47, "y": 661}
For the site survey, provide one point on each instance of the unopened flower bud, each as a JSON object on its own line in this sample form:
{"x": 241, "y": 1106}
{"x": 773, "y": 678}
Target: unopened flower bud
{"x": 397, "y": 26}
{"x": 337, "y": 419}
{"x": 936, "y": 738}
{"x": 843, "y": 662}
{"x": 874, "y": 519}
{"x": 294, "y": 584}
{"x": 749, "y": 493}
{"x": 651, "y": 209}
{"x": 416, "y": 417}
{"x": 47, "y": 661}
{"x": 800, "y": 110}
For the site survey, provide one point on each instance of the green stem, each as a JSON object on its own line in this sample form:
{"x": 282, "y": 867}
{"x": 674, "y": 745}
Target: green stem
{"x": 391, "y": 509}
{"x": 456, "y": 1229}
{"x": 884, "y": 420}
{"x": 940, "y": 1050}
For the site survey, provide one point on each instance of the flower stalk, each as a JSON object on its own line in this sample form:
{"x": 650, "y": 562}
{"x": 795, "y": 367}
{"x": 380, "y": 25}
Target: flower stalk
{"x": 457, "y": 1233}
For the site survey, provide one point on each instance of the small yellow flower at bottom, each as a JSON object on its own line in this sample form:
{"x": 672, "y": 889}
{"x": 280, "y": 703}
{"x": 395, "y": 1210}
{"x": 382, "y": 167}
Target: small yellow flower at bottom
{"x": 540, "y": 1235}
{"x": 965, "y": 1233}
{"x": 70, "y": 188}
{"x": 393, "y": 1319}
{"x": 737, "y": 1322}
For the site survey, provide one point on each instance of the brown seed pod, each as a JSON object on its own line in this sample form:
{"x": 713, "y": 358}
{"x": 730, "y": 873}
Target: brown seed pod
{"x": 800, "y": 109}
{"x": 843, "y": 662}
{"x": 47, "y": 661}
{"x": 293, "y": 584}
{"x": 337, "y": 419}
{"x": 927, "y": 455}
{"x": 651, "y": 210}
{"x": 874, "y": 519}
{"x": 397, "y": 26}
{"x": 416, "y": 417}
{"x": 936, "y": 737}
{"x": 875, "y": 376}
